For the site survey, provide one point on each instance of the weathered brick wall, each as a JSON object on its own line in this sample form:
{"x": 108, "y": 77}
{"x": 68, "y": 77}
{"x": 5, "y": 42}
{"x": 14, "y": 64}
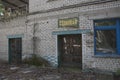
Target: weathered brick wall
{"x": 14, "y": 27}
{"x": 45, "y": 42}
{"x": 38, "y": 5}
{"x": 48, "y": 22}
{"x": 45, "y": 23}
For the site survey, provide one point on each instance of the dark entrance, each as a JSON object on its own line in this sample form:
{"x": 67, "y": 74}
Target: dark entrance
{"x": 15, "y": 50}
{"x": 70, "y": 50}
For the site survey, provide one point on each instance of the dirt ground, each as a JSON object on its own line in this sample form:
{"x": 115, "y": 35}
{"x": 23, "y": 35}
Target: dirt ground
{"x": 24, "y": 72}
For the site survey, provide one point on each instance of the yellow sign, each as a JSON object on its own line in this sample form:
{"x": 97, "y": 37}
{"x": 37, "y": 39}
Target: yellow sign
{"x": 69, "y": 22}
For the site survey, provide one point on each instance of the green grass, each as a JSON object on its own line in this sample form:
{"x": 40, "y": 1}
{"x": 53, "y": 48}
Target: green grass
{"x": 118, "y": 72}
{"x": 72, "y": 69}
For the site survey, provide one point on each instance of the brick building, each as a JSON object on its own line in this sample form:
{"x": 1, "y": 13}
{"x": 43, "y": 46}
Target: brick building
{"x": 80, "y": 33}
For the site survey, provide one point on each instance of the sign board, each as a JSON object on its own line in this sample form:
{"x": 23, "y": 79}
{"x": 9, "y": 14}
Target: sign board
{"x": 69, "y": 22}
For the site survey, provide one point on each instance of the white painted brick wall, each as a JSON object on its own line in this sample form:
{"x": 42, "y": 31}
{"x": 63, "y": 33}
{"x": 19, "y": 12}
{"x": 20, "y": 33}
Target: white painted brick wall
{"x": 38, "y": 5}
{"x": 14, "y": 27}
{"x": 48, "y": 22}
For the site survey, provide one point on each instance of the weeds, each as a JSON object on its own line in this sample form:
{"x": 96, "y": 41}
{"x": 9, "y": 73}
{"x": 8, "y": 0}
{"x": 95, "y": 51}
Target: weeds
{"x": 118, "y": 72}
{"x": 36, "y": 61}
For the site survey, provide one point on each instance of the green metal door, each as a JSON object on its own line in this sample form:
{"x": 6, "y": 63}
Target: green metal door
{"x": 15, "y": 50}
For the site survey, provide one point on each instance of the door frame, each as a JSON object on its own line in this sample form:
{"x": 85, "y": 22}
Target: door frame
{"x": 13, "y": 37}
{"x": 65, "y": 32}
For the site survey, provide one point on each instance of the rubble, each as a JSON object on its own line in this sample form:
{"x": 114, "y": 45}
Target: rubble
{"x": 36, "y": 73}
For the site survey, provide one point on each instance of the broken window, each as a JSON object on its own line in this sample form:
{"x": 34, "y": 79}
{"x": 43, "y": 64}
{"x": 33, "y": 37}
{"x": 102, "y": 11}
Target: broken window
{"x": 107, "y": 36}
{"x": 106, "y": 41}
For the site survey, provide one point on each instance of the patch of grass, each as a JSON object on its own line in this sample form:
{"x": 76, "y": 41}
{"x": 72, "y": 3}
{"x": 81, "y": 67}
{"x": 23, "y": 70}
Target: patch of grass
{"x": 72, "y": 69}
{"x": 118, "y": 72}
{"x": 36, "y": 61}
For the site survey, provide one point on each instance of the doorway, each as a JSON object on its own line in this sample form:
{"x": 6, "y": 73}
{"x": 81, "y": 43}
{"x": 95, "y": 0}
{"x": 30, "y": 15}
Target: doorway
{"x": 70, "y": 50}
{"x": 15, "y": 50}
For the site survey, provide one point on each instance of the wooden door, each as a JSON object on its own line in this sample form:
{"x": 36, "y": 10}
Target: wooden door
{"x": 15, "y": 50}
{"x": 70, "y": 50}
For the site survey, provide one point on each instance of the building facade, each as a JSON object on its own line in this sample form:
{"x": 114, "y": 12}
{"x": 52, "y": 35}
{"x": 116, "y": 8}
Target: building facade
{"x": 70, "y": 33}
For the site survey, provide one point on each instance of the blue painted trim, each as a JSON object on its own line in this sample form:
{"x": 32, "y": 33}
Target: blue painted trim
{"x": 71, "y": 32}
{"x": 117, "y": 28}
{"x": 101, "y": 20}
{"x": 99, "y": 54}
{"x": 118, "y": 35}
{"x": 107, "y": 56}
{"x": 94, "y": 38}
{"x": 94, "y": 42}
{"x": 15, "y": 36}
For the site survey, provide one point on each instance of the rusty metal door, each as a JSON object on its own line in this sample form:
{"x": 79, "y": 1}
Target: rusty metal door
{"x": 15, "y": 50}
{"x": 70, "y": 50}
